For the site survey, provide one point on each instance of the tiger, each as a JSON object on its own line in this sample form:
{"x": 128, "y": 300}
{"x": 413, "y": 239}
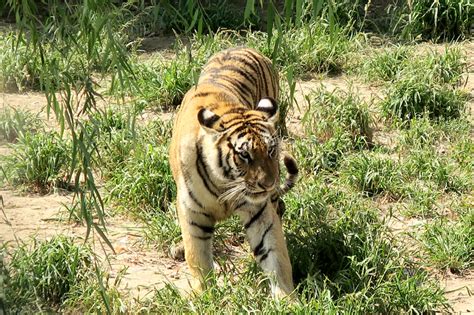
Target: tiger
{"x": 225, "y": 158}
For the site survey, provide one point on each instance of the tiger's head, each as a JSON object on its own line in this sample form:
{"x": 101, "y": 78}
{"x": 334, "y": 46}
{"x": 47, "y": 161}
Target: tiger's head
{"x": 242, "y": 149}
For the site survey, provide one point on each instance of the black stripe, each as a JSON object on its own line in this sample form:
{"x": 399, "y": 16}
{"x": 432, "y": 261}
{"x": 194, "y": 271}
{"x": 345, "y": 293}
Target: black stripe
{"x": 241, "y": 135}
{"x": 203, "y": 238}
{"x": 265, "y": 255}
{"x": 204, "y": 228}
{"x": 262, "y": 71}
{"x": 246, "y": 62}
{"x": 247, "y": 121}
{"x": 203, "y": 94}
{"x": 235, "y": 110}
{"x": 256, "y": 128}
{"x": 269, "y": 76}
{"x": 244, "y": 74}
{"x": 256, "y": 216}
{"x": 194, "y": 198}
{"x": 227, "y": 168}
{"x": 242, "y": 89}
{"x": 203, "y": 173}
{"x": 242, "y": 203}
{"x": 259, "y": 249}
{"x": 203, "y": 213}
{"x": 219, "y": 156}
{"x": 213, "y": 81}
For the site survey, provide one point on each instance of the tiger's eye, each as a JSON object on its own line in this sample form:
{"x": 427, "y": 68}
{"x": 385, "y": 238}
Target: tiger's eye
{"x": 244, "y": 155}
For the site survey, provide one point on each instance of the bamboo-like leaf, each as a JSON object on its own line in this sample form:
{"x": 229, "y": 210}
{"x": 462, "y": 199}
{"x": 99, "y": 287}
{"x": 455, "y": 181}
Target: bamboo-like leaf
{"x": 270, "y": 21}
{"x": 249, "y": 9}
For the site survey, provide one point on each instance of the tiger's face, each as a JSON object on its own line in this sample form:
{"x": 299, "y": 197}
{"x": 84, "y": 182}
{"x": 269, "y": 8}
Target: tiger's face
{"x": 246, "y": 150}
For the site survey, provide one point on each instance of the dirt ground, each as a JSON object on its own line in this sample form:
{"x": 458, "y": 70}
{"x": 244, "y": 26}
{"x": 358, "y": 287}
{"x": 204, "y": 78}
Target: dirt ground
{"x": 27, "y": 217}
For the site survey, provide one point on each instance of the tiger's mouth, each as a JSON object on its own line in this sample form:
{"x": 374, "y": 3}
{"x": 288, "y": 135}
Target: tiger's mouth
{"x": 257, "y": 192}
{"x": 239, "y": 190}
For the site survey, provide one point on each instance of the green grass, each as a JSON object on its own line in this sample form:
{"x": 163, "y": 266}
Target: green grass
{"x": 16, "y": 122}
{"x": 144, "y": 180}
{"x": 449, "y": 245}
{"x": 299, "y": 51}
{"x": 439, "y": 20}
{"x": 315, "y": 155}
{"x": 386, "y": 64}
{"x": 38, "y": 161}
{"x": 330, "y": 113}
{"x": 345, "y": 259}
{"x": 56, "y": 275}
{"x": 397, "y": 63}
{"x": 113, "y": 134}
{"x": 373, "y": 175}
{"x": 427, "y": 165}
{"x": 45, "y": 272}
{"x": 413, "y": 97}
{"x": 335, "y": 123}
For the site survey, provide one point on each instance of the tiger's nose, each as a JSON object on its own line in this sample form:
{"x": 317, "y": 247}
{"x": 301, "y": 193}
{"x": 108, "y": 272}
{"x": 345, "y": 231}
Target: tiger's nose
{"x": 267, "y": 184}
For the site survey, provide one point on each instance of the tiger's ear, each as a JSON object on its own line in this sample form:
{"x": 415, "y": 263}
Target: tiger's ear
{"x": 208, "y": 120}
{"x": 269, "y": 106}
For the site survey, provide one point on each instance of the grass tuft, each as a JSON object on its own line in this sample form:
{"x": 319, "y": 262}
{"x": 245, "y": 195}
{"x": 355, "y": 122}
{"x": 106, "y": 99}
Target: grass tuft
{"x": 373, "y": 175}
{"x": 14, "y": 123}
{"x": 414, "y": 97}
{"x": 450, "y": 245}
{"x": 46, "y": 272}
{"x": 39, "y": 162}
{"x": 387, "y": 64}
{"x": 144, "y": 182}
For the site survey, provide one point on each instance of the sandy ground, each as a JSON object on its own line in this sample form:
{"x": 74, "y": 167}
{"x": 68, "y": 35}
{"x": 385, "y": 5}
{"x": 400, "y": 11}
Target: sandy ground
{"x": 32, "y": 216}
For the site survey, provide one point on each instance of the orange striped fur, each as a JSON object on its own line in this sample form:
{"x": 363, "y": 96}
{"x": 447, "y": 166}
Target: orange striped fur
{"x": 225, "y": 156}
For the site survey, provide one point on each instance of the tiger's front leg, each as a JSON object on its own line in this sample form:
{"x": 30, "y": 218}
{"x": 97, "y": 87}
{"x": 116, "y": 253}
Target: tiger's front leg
{"x": 197, "y": 229}
{"x": 265, "y": 236}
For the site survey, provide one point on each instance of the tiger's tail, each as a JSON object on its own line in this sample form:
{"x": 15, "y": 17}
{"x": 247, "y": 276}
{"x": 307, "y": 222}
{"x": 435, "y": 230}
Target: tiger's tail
{"x": 291, "y": 174}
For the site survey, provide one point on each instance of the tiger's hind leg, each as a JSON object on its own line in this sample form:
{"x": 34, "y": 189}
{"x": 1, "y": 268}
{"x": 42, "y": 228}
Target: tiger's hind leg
{"x": 197, "y": 229}
{"x": 265, "y": 235}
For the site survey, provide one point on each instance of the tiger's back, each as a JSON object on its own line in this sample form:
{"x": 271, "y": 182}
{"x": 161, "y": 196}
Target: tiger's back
{"x": 224, "y": 156}
{"x": 243, "y": 73}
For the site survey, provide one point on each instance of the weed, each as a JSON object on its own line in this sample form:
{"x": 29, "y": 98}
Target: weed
{"x": 331, "y": 113}
{"x": 96, "y": 293}
{"x": 162, "y": 230}
{"x": 47, "y": 271}
{"x": 335, "y": 123}
{"x": 16, "y": 122}
{"x": 339, "y": 247}
{"x": 387, "y": 64}
{"x": 39, "y": 161}
{"x": 373, "y": 175}
{"x": 414, "y": 97}
{"x": 427, "y": 165}
{"x": 145, "y": 181}
{"x": 19, "y": 68}
{"x": 450, "y": 245}
{"x": 423, "y": 199}
{"x": 421, "y": 133}
{"x": 401, "y": 62}
{"x": 463, "y": 152}
{"x": 446, "y": 67}
{"x": 314, "y": 155}
{"x": 314, "y": 47}
{"x": 113, "y": 135}
{"x": 445, "y": 20}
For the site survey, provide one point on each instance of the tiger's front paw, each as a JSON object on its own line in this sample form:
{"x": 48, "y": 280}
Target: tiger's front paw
{"x": 177, "y": 252}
